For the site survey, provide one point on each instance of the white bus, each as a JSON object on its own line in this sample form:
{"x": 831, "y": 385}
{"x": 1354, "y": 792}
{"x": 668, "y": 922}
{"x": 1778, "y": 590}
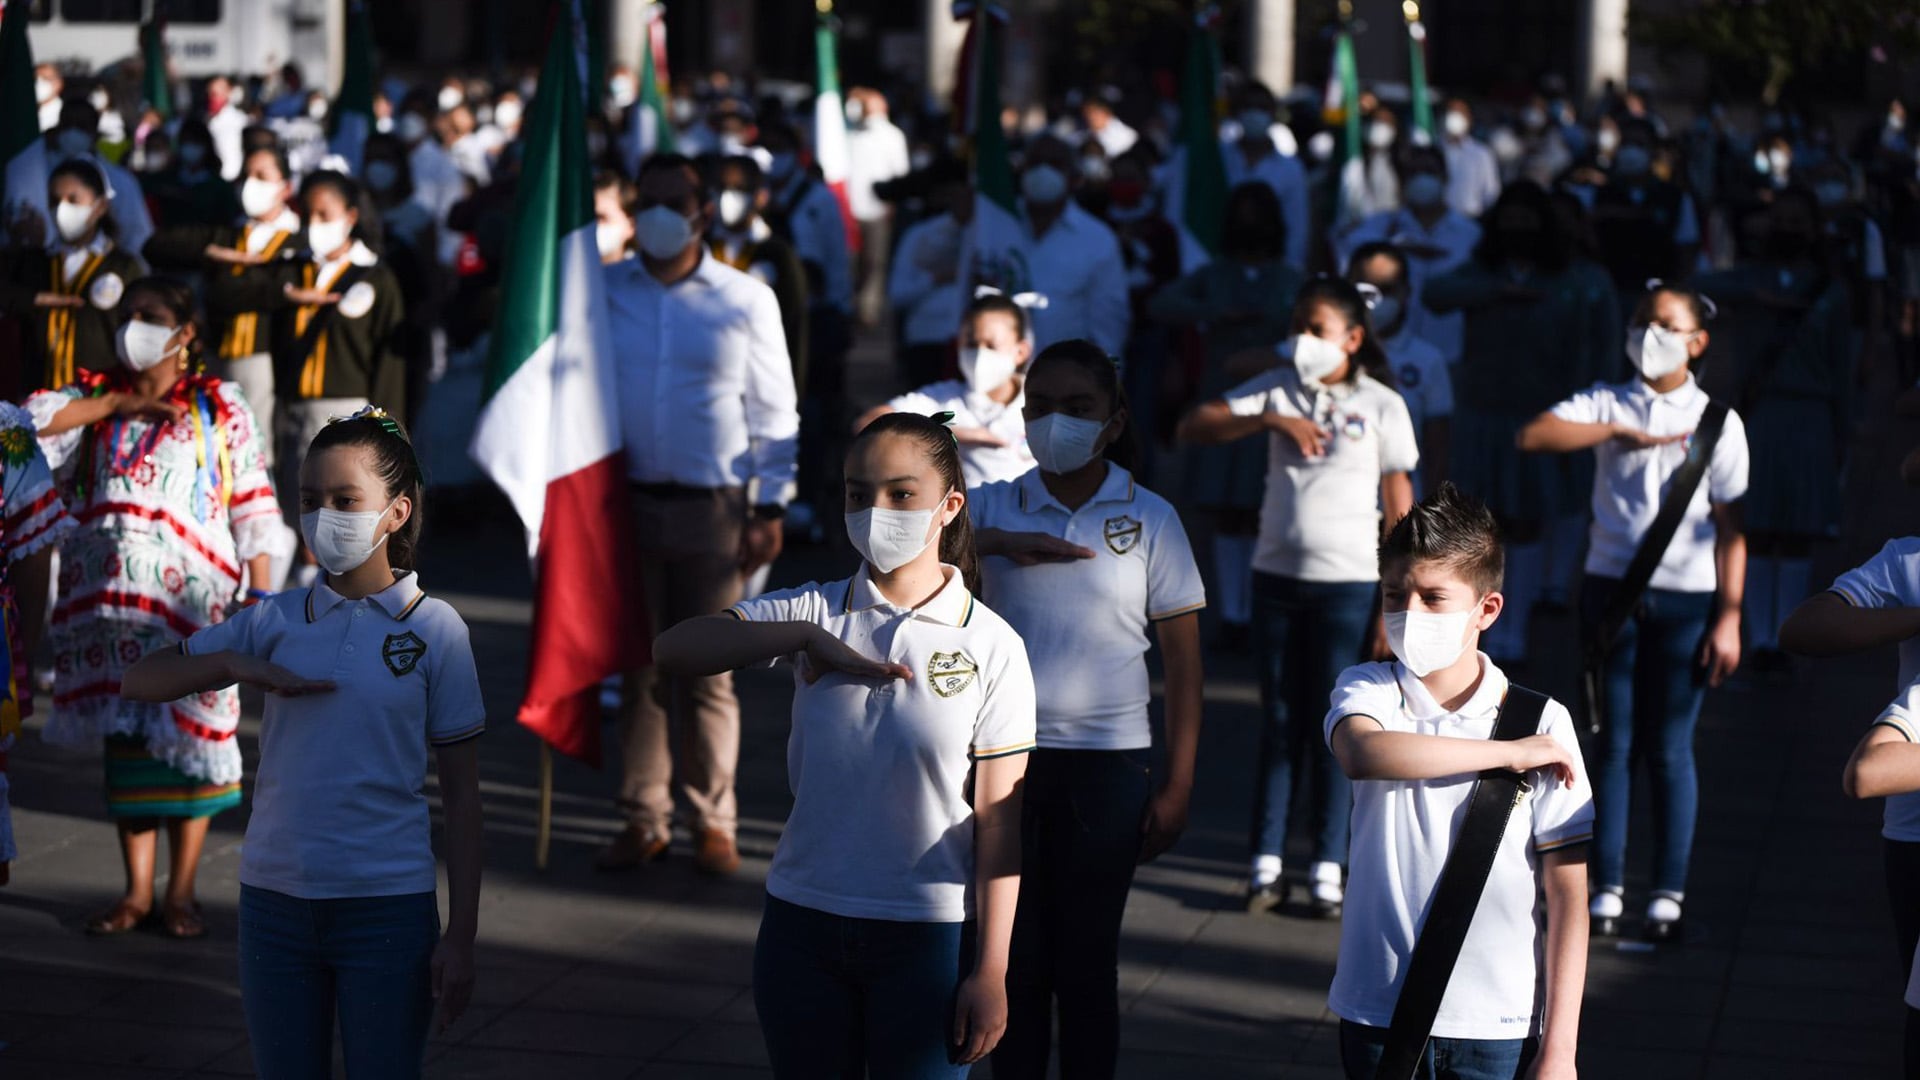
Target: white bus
{"x": 204, "y": 37}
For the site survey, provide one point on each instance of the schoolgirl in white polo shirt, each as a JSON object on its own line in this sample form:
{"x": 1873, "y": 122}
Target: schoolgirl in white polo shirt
{"x": 1083, "y": 562}
{"x": 898, "y": 873}
{"x": 1340, "y": 448}
{"x": 1685, "y": 633}
{"x": 364, "y": 673}
{"x": 1886, "y": 763}
{"x": 996, "y": 341}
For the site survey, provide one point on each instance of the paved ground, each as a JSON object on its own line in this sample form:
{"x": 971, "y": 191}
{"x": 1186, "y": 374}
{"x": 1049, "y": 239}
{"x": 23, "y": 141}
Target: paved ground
{"x": 1790, "y": 972}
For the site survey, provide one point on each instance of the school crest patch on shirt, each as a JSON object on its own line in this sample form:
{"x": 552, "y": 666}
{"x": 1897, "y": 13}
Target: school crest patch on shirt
{"x": 1355, "y": 426}
{"x": 357, "y": 301}
{"x": 950, "y": 672}
{"x": 106, "y": 290}
{"x": 1122, "y": 534}
{"x": 402, "y": 653}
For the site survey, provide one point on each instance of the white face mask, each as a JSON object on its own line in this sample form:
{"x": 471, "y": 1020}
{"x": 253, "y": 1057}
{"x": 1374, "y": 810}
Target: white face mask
{"x": 1427, "y": 641}
{"x": 142, "y": 345}
{"x": 621, "y": 90}
{"x": 507, "y": 114}
{"x": 73, "y": 221}
{"x": 1656, "y": 352}
{"x": 1457, "y": 124}
{"x": 1425, "y": 189}
{"x": 341, "y": 540}
{"x": 327, "y": 237}
{"x": 382, "y": 175}
{"x": 610, "y": 239}
{"x": 662, "y": 232}
{"x": 1315, "y": 358}
{"x": 1062, "y": 443}
{"x": 43, "y": 90}
{"x": 1044, "y": 185}
{"x": 99, "y": 99}
{"x": 856, "y": 112}
{"x": 260, "y": 198}
{"x": 890, "y": 539}
{"x": 984, "y": 368}
{"x": 450, "y": 98}
{"x": 1608, "y": 140}
{"x": 735, "y": 207}
{"x": 1380, "y": 136}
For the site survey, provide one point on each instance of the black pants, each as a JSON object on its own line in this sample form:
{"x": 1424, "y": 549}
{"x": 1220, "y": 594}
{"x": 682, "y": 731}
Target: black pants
{"x": 1903, "y": 893}
{"x": 1080, "y": 839}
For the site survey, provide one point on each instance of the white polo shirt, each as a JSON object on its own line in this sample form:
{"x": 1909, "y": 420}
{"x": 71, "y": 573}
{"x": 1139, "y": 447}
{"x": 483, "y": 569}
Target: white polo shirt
{"x": 1630, "y": 484}
{"x": 881, "y": 826}
{"x": 1892, "y": 579}
{"x": 1085, "y": 620}
{"x": 340, "y": 804}
{"x": 1403, "y": 831}
{"x": 1320, "y": 517}
{"x": 980, "y": 464}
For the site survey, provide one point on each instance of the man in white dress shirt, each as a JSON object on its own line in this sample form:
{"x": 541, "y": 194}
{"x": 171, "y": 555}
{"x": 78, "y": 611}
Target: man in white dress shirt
{"x": 876, "y": 152}
{"x": 1473, "y": 173}
{"x": 709, "y": 423}
{"x": 1073, "y": 258}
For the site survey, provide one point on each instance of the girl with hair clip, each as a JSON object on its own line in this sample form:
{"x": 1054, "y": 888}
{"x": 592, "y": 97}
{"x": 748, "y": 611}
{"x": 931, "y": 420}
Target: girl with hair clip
{"x": 67, "y": 287}
{"x": 268, "y": 230}
{"x": 1684, "y": 634}
{"x": 1340, "y": 448}
{"x": 897, "y": 876}
{"x": 338, "y": 316}
{"x": 1239, "y": 305}
{"x": 996, "y": 341}
{"x": 165, "y": 470}
{"x": 363, "y": 674}
{"x": 1083, "y": 562}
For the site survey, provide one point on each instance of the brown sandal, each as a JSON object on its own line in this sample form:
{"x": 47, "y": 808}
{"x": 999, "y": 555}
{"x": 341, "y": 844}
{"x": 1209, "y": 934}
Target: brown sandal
{"x": 183, "y": 924}
{"x": 121, "y": 918}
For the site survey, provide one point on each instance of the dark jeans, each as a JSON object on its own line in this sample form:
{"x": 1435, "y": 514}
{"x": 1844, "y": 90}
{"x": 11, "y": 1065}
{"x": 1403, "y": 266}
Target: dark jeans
{"x": 1080, "y": 842}
{"x": 366, "y": 959}
{"x": 1653, "y": 692}
{"x": 843, "y": 998}
{"x": 1903, "y": 893}
{"x": 1305, "y": 633}
{"x": 1445, "y": 1059}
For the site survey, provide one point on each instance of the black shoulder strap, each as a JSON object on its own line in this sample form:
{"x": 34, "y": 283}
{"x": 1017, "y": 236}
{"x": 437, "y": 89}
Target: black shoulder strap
{"x": 1456, "y": 897}
{"x": 1653, "y": 547}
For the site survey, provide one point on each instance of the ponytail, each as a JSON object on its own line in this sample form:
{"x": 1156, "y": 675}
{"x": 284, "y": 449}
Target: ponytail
{"x": 936, "y": 439}
{"x": 1345, "y": 298}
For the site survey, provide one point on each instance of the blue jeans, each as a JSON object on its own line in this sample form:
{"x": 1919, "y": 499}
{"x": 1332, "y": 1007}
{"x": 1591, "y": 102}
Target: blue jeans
{"x": 1305, "y": 633}
{"x": 366, "y": 959}
{"x": 1079, "y": 844}
{"x": 850, "y": 998}
{"x": 1445, "y": 1059}
{"x": 1653, "y": 691}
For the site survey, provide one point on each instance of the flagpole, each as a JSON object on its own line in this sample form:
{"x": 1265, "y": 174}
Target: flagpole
{"x": 543, "y": 831}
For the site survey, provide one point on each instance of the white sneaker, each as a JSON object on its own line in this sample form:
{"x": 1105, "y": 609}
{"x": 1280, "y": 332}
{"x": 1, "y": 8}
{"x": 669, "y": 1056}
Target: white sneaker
{"x": 1326, "y": 893}
{"x": 1265, "y": 888}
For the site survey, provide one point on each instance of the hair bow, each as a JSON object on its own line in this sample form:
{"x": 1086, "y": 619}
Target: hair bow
{"x": 376, "y": 414}
{"x": 1031, "y": 301}
{"x": 1706, "y": 302}
{"x": 1369, "y": 292}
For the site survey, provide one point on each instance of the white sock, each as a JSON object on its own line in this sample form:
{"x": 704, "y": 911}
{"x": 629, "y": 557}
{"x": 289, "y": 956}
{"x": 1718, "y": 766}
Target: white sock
{"x": 1526, "y": 565}
{"x": 1761, "y": 610}
{"x": 1326, "y": 873}
{"x": 1233, "y": 577}
{"x": 1266, "y": 870}
{"x": 1791, "y": 578}
{"x": 1664, "y": 907}
{"x": 1606, "y": 904}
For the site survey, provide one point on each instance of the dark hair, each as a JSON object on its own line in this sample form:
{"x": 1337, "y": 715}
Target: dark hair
{"x": 1342, "y": 296}
{"x": 993, "y": 302}
{"x": 1254, "y": 227}
{"x": 388, "y": 147}
{"x": 1424, "y": 159}
{"x": 273, "y": 147}
{"x": 177, "y": 297}
{"x": 675, "y": 163}
{"x": 395, "y": 464}
{"x": 1453, "y": 529}
{"x": 1551, "y": 247}
{"x": 936, "y": 438}
{"x": 197, "y": 131}
{"x": 349, "y": 191}
{"x": 749, "y": 167}
{"x": 89, "y": 172}
{"x": 1105, "y": 373}
{"x": 1380, "y": 249}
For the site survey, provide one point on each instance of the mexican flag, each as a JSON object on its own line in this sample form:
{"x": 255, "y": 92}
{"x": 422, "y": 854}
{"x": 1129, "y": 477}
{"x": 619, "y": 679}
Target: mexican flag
{"x": 351, "y": 118}
{"x": 155, "y": 88}
{"x": 830, "y": 123}
{"x": 1197, "y": 175}
{"x": 648, "y": 131}
{"x": 1417, "y": 67}
{"x": 548, "y": 432}
{"x": 1343, "y": 107}
{"x": 20, "y": 145}
{"x": 995, "y": 248}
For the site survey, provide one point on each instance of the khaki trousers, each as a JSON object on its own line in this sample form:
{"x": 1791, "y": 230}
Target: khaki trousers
{"x": 682, "y": 734}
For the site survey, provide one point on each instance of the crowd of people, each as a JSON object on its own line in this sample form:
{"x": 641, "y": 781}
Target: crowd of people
{"x": 1375, "y": 396}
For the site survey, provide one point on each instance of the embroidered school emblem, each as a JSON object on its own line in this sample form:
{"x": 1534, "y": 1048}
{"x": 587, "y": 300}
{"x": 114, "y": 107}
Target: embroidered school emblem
{"x": 950, "y": 672}
{"x": 1122, "y": 534}
{"x": 402, "y": 653}
{"x": 106, "y": 290}
{"x": 1355, "y": 426}
{"x": 358, "y": 300}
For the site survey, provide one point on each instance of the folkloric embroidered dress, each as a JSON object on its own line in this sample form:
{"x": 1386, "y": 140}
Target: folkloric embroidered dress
{"x": 168, "y": 515}
{"x": 32, "y": 518}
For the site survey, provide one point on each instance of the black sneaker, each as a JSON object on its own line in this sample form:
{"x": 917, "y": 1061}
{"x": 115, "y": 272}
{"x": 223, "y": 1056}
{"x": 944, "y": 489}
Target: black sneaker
{"x": 1262, "y": 899}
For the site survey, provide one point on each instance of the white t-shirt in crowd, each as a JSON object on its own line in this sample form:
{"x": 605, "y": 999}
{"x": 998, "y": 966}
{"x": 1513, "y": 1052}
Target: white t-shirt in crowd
{"x": 1631, "y": 483}
{"x": 1892, "y": 579}
{"x": 980, "y": 464}
{"x": 1402, "y": 833}
{"x": 1076, "y": 264}
{"x": 1320, "y": 517}
{"x": 1085, "y": 621}
{"x": 340, "y": 805}
{"x": 881, "y": 826}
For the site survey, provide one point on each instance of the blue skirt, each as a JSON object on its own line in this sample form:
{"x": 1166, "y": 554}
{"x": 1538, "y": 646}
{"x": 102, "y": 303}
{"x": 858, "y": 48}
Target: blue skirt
{"x": 1795, "y": 468}
{"x": 1517, "y": 487}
